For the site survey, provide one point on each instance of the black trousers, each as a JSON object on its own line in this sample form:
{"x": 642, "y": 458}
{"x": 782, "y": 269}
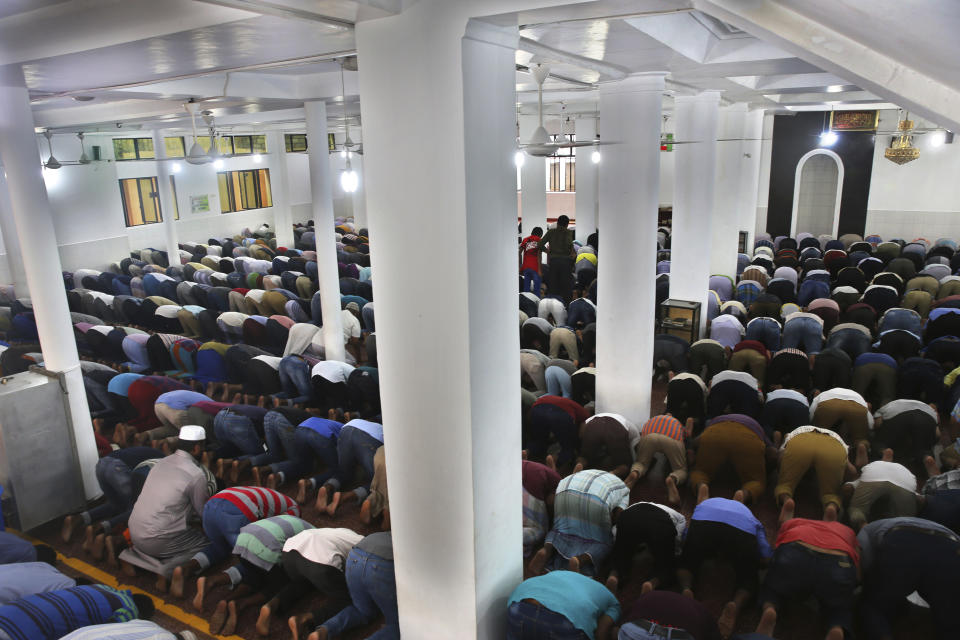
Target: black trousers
{"x": 305, "y": 576}
{"x": 685, "y": 399}
{"x": 645, "y": 526}
{"x": 708, "y": 540}
{"x": 559, "y": 277}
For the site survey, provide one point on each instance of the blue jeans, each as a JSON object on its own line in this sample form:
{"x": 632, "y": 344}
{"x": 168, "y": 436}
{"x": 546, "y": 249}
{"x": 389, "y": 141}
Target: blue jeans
{"x": 558, "y": 382}
{"x": 852, "y": 341}
{"x": 369, "y": 321}
{"x": 236, "y": 436}
{"x": 905, "y": 319}
{"x": 528, "y": 621}
{"x": 354, "y": 447}
{"x": 373, "y": 590}
{"x": 294, "y": 379}
{"x": 278, "y": 433}
{"x": 222, "y": 522}
{"x": 805, "y": 334}
{"x": 766, "y": 331}
{"x": 316, "y": 309}
{"x": 101, "y": 403}
{"x": 116, "y": 480}
{"x": 529, "y": 275}
{"x": 308, "y": 446}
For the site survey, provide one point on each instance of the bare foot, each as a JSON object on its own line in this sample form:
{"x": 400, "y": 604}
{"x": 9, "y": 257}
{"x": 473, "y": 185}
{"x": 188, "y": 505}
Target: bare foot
{"x": 523, "y": 454}
{"x": 574, "y": 564}
{"x": 273, "y": 481}
{"x": 861, "y": 457}
{"x": 550, "y": 462}
{"x": 777, "y": 439}
{"x": 176, "y": 583}
{"x": 888, "y": 455}
{"x": 262, "y": 402}
{"x": 111, "y": 552}
{"x": 728, "y": 619}
{"x": 612, "y": 584}
{"x": 96, "y": 546}
{"x": 320, "y": 634}
{"x": 673, "y": 494}
{"x": 88, "y": 535}
{"x": 218, "y": 618}
{"x": 789, "y": 506}
{"x": 321, "y": 504}
{"x": 263, "y": 622}
{"x": 830, "y": 513}
{"x": 237, "y": 469}
{"x": 256, "y": 476}
{"x": 688, "y": 593}
{"x": 302, "y": 486}
{"x": 365, "y": 509}
{"x": 739, "y": 496}
{"x": 238, "y": 398}
{"x": 767, "y": 622}
{"x": 222, "y": 465}
{"x": 231, "y": 624}
{"x": 540, "y": 560}
{"x": 931, "y": 466}
{"x": 201, "y": 588}
{"x": 70, "y": 524}
{"x": 577, "y": 468}
{"x": 334, "y": 503}
{"x": 631, "y": 479}
{"x": 835, "y": 633}
{"x": 646, "y": 588}
{"x": 298, "y": 622}
{"x": 703, "y": 493}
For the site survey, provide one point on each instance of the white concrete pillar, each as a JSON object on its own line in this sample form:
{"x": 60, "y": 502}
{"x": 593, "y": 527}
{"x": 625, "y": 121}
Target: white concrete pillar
{"x": 763, "y": 187}
{"x": 693, "y": 198}
{"x": 360, "y": 195}
{"x": 533, "y": 183}
{"x": 629, "y": 185}
{"x": 587, "y": 173}
{"x": 8, "y": 231}
{"x": 280, "y": 187}
{"x": 456, "y": 521}
{"x": 726, "y": 218}
{"x": 321, "y": 191}
{"x": 33, "y": 219}
{"x": 165, "y": 194}
{"x": 750, "y": 174}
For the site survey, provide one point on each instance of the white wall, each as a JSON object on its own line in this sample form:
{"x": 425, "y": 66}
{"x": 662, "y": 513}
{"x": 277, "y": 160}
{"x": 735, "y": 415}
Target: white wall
{"x": 920, "y": 198}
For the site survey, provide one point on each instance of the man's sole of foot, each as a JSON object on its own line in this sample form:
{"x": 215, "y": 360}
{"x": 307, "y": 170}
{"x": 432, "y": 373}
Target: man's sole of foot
{"x": 218, "y": 618}
{"x": 256, "y": 477}
{"x": 321, "y": 503}
{"x": 703, "y": 493}
{"x": 727, "y": 620}
{"x": 201, "y": 588}
{"x": 96, "y": 547}
{"x": 539, "y": 562}
{"x": 88, "y": 535}
{"x": 334, "y": 503}
{"x": 365, "y": 510}
{"x": 272, "y": 481}
{"x": 263, "y": 621}
{"x": 612, "y": 584}
{"x": 768, "y": 622}
{"x": 294, "y": 625}
{"x": 574, "y": 564}
{"x": 176, "y": 583}
{"x": 787, "y": 511}
{"x": 673, "y": 494}
{"x": 112, "y": 560}
{"x": 302, "y": 492}
{"x": 830, "y": 513}
{"x": 66, "y": 531}
{"x": 231, "y": 624}
{"x": 646, "y": 588}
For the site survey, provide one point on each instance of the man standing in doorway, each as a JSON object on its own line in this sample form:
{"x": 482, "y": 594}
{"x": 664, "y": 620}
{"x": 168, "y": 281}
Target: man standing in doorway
{"x": 530, "y": 261}
{"x": 560, "y": 259}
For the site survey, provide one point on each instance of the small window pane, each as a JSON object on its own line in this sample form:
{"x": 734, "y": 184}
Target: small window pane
{"x": 174, "y": 147}
{"x": 242, "y": 144}
{"x": 204, "y": 142}
{"x": 225, "y": 144}
{"x": 295, "y": 142}
{"x": 124, "y": 149}
{"x": 222, "y": 182}
{"x": 259, "y": 144}
{"x": 131, "y": 202}
{"x": 145, "y": 148}
{"x": 149, "y": 199}
{"x": 266, "y": 194}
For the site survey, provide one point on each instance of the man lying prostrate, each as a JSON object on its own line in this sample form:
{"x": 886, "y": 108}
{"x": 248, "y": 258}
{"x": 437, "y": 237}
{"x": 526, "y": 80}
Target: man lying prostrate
{"x": 52, "y": 615}
{"x": 133, "y": 630}
{"x": 561, "y": 604}
{"x": 15, "y": 549}
{"x": 24, "y": 579}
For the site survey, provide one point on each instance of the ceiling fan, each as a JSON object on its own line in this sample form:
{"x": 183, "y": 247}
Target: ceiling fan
{"x": 348, "y": 146}
{"x": 53, "y": 164}
{"x": 540, "y": 145}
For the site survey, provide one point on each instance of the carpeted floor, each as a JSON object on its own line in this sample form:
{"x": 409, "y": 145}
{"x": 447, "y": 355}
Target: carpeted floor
{"x": 796, "y": 622}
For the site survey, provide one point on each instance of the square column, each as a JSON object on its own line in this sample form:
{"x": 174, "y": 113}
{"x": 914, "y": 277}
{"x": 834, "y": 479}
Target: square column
{"x": 750, "y": 174}
{"x": 629, "y": 196}
{"x": 8, "y": 231}
{"x": 587, "y": 175}
{"x": 321, "y": 192}
{"x": 533, "y": 183}
{"x": 449, "y": 382}
{"x": 693, "y": 198}
{"x": 165, "y": 194}
{"x": 280, "y": 188}
{"x": 33, "y": 220}
{"x": 730, "y": 166}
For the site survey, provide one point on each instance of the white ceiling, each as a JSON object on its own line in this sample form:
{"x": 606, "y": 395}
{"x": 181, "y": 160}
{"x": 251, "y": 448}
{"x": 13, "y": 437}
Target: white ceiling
{"x": 141, "y": 59}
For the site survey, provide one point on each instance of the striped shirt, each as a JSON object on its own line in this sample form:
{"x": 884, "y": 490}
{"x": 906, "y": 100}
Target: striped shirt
{"x": 133, "y": 630}
{"x": 536, "y": 521}
{"x": 582, "y": 513}
{"x": 259, "y": 502}
{"x": 664, "y": 425}
{"x": 260, "y": 543}
{"x": 52, "y": 615}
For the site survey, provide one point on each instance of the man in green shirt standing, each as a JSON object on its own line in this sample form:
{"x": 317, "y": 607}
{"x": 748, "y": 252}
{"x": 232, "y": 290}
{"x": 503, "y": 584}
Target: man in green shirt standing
{"x": 560, "y": 258}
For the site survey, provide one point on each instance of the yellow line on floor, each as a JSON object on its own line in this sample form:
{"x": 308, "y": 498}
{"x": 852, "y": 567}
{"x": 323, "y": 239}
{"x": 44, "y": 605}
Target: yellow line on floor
{"x": 102, "y": 577}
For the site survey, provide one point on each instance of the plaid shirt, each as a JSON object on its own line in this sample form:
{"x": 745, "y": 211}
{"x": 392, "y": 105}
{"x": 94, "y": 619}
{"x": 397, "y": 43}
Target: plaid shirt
{"x": 536, "y": 522}
{"x": 948, "y": 480}
{"x": 582, "y": 513}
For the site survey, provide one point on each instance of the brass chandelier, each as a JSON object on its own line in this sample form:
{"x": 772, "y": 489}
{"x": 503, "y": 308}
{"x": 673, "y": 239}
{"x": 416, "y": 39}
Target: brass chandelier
{"x": 901, "y": 149}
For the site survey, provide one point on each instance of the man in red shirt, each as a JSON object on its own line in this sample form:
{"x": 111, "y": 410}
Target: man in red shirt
{"x": 819, "y": 558}
{"x": 563, "y": 419}
{"x": 530, "y": 261}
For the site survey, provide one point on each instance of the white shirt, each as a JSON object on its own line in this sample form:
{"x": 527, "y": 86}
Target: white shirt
{"x": 272, "y": 361}
{"x": 809, "y": 429}
{"x": 351, "y": 326}
{"x": 167, "y": 310}
{"x": 882, "y": 471}
{"x": 552, "y": 307}
{"x": 232, "y": 318}
{"x": 256, "y": 294}
{"x": 130, "y": 630}
{"x": 328, "y": 546}
{"x": 332, "y": 370}
{"x": 895, "y": 407}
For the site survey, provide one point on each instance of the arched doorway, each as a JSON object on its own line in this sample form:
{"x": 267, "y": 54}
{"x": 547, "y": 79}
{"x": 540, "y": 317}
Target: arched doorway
{"x": 816, "y": 194}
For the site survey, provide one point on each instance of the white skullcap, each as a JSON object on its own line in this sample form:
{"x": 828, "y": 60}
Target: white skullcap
{"x": 192, "y": 433}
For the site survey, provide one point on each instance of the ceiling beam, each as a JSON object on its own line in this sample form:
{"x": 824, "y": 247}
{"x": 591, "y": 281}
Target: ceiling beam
{"x": 612, "y": 71}
{"x": 836, "y": 53}
{"x": 281, "y": 11}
